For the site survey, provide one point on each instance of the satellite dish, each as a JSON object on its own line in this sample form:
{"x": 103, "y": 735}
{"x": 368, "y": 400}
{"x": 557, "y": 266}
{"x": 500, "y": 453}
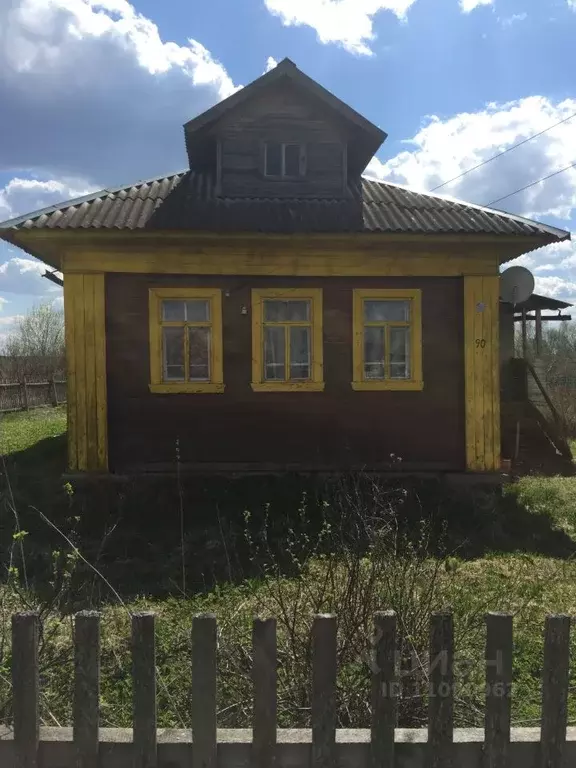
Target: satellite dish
{"x": 516, "y": 285}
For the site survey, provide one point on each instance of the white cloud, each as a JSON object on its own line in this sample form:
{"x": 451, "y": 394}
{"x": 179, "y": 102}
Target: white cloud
{"x": 346, "y": 22}
{"x": 557, "y": 287}
{"x": 24, "y": 276}
{"x": 7, "y": 327}
{"x": 444, "y": 148}
{"x": 93, "y": 91}
{"x": 470, "y": 5}
{"x": 26, "y": 195}
{"x": 508, "y": 21}
{"x": 271, "y": 63}
{"x": 559, "y": 258}
{"x": 10, "y": 320}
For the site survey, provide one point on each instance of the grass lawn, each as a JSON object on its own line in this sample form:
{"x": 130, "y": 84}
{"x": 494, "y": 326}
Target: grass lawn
{"x": 22, "y": 430}
{"x": 512, "y": 553}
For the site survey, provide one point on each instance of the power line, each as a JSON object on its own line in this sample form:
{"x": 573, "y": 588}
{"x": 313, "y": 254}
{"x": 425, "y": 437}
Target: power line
{"x": 514, "y": 146}
{"x": 544, "y": 178}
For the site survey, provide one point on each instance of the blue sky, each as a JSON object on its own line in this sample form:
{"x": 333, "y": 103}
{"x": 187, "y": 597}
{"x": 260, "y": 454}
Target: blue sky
{"x": 94, "y": 94}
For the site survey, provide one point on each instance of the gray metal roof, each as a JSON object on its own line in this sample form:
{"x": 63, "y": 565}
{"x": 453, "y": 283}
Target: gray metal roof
{"x": 188, "y": 201}
{"x": 536, "y": 301}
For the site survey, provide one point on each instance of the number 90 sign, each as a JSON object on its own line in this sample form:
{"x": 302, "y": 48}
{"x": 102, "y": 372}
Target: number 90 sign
{"x": 480, "y": 343}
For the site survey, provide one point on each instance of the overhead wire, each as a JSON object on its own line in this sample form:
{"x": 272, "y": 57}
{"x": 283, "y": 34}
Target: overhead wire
{"x": 532, "y": 184}
{"x": 504, "y": 152}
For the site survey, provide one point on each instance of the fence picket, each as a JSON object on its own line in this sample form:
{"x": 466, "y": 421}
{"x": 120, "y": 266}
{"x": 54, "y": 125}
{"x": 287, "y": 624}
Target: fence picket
{"x": 498, "y": 690}
{"x": 144, "y": 689}
{"x": 25, "y": 402}
{"x": 53, "y": 392}
{"x": 204, "y": 636}
{"x": 82, "y": 749}
{"x": 20, "y": 396}
{"x": 384, "y": 690}
{"x": 86, "y": 688}
{"x": 25, "y": 688}
{"x": 441, "y": 691}
{"x": 324, "y": 691}
{"x": 555, "y": 682}
{"x": 265, "y": 695}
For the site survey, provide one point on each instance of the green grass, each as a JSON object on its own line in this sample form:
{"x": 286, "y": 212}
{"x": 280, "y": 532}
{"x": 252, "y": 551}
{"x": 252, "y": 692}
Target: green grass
{"x": 22, "y": 430}
{"x": 521, "y": 561}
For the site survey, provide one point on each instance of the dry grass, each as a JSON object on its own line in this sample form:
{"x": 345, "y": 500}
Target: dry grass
{"x": 528, "y": 585}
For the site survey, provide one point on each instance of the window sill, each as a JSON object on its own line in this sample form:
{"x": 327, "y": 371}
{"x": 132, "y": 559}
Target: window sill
{"x": 189, "y": 389}
{"x": 287, "y": 386}
{"x": 392, "y": 386}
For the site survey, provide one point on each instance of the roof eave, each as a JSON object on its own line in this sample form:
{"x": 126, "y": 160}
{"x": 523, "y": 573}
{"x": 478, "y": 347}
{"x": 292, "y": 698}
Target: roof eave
{"x": 539, "y": 241}
{"x": 11, "y": 236}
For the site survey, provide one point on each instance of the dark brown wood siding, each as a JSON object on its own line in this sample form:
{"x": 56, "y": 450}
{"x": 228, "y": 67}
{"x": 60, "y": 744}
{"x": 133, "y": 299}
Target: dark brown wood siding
{"x": 284, "y": 116}
{"x": 335, "y": 429}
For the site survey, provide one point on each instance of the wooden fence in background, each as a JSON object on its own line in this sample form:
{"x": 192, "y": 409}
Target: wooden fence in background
{"x": 25, "y": 394}
{"x": 26, "y": 745}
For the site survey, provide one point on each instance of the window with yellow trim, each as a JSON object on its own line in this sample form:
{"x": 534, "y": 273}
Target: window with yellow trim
{"x": 387, "y": 339}
{"x": 186, "y": 340}
{"x": 287, "y": 339}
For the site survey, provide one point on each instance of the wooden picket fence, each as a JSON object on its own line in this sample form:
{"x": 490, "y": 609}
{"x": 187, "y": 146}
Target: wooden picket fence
{"x": 25, "y": 394}
{"x": 85, "y": 745}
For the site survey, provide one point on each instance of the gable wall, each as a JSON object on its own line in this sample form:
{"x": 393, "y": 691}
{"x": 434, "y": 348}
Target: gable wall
{"x": 283, "y": 116}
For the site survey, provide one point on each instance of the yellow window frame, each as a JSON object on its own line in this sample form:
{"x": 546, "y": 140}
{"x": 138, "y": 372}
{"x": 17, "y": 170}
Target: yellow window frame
{"x": 414, "y": 296}
{"x": 316, "y": 381}
{"x": 214, "y": 296}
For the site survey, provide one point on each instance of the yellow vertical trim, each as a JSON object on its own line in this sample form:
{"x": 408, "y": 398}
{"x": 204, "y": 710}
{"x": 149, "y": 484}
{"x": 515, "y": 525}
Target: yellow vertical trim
{"x": 416, "y": 347}
{"x": 257, "y": 337}
{"x": 155, "y": 337}
{"x": 71, "y": 283}
{"x": 90, "y": 381}
{"x": 316, "y": 382}
{"x": 492, "y": 286}
{"x": 414, "y": 296}
{"x": 86, "y": 365}
{"x": 482, "y": 381}
{"x": 495, "y": 367}
{"x": 317, "y": 338}
{"x": 469, "y": 388}
{"x": 217, "y": 350}
{"x": 358, "y": 336}
{"x": 479, "y": 368}
{"x": 100, "y": 357}
{"x": 80, "y": 352}
{"x": 488, "y": 406}
{"x": 216, "y": 383}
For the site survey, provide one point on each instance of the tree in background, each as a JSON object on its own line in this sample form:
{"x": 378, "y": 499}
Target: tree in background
{"x": 558, "y": 353}
{"x": 35, "y": 348}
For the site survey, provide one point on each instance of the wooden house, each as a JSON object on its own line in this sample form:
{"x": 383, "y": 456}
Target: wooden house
{"x": 271, "y": 309}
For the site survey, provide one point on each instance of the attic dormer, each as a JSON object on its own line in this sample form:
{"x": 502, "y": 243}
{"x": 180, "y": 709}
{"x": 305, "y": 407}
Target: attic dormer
{"x": 283, "y": 136}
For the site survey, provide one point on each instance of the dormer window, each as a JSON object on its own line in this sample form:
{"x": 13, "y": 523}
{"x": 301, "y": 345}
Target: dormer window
{"x": 284, "y": 161}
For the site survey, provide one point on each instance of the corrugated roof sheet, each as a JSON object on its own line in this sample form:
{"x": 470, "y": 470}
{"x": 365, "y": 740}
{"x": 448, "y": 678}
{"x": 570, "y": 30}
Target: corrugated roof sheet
{"x": 188, "y": 200}
{"x": 536, "y": 301}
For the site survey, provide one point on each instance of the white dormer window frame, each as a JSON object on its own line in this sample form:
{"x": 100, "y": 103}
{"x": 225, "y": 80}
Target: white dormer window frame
{"x": 284, "y": 170}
